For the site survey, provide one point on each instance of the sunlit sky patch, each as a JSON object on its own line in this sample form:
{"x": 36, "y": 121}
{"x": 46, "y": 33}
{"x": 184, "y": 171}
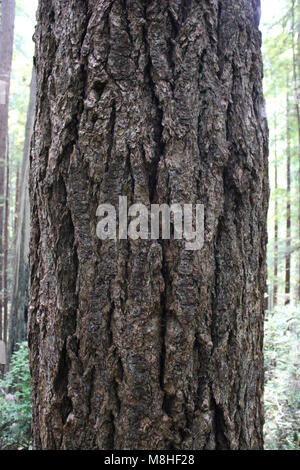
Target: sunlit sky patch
{"x": 271, "y": 10}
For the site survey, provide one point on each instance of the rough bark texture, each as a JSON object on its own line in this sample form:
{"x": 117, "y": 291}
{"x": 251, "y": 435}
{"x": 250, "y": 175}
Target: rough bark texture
{"x": 142, "y": 344}
{"x": 19, "y": 302}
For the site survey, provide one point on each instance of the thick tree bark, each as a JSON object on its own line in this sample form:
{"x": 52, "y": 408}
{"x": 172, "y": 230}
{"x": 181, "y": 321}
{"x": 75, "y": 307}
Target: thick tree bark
{"x": 143, "y": 344}
{"x": 19, "y": 302}
{"x": 7, "y": 19}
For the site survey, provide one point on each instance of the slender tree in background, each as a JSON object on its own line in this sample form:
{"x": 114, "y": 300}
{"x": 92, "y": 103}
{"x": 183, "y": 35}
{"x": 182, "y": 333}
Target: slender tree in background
{"x": 281, "y": 328}
{"x": 16, "y": 209}
{"x": 288, "y": 197}
{"x": 19, "y": 301}
{"x": 6, "y": 243}
{"x": 276, "y": 215}
{"x": 7, "y": 10}
{"x": 282, "y": 55}
{"x": 140, "y": 344}
{"x": 296, "y": 86}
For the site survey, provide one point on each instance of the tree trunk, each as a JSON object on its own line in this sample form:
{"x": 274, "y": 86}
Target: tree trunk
{"x": 296, "y": 79}
{"x": 275, "y": 272}
{"x": 140, "y": 344}
{"x": 16, "y": 211}
{"x": 19, "y": 301}
{"x": 6, "y": 243}
{"x": 7, "y": 19}
{"x": 288, "y": 200}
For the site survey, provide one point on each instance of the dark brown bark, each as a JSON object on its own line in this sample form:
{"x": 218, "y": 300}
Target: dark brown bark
{"x": 143, "y": 344}
{"x": 19, "y": 301}
{"x": 7, "y": 18}
{"x": 288, "y": 200}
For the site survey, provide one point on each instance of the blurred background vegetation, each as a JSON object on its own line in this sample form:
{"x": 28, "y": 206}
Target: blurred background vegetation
{"x": 281, "y": 49}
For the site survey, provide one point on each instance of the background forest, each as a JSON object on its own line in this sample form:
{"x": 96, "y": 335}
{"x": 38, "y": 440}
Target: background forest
{"x": 281, "y": 49}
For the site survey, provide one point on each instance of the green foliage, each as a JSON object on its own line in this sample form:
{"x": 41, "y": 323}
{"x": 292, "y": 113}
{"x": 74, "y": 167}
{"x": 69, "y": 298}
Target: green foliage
{"x": 282, "y": 387}
{"x": 15, "y": 403}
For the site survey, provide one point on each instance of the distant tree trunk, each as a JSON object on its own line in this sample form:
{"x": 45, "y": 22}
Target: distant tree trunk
{"x": 16, "y": 211}
{"x": 6, "y": 243}
{"x": 296, "y": 80}
{"x": 288, "y": 201}
{"x": 19, "y": 301}
{"x": 275, "y": 273}
{"x": 7, "y": 18}
{"x": 141, "y": 344}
